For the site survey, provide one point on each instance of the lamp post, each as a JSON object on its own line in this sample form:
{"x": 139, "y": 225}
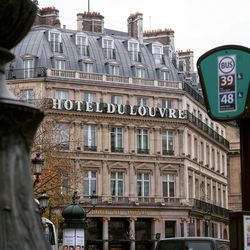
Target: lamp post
{"x": 74, "y": 226}
{"x": 43, "y": 202}
{"x": 37, "y": 167}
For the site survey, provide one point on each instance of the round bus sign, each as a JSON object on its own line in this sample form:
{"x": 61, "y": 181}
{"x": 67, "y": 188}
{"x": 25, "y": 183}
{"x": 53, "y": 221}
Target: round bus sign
{"x": 224, "y": 75}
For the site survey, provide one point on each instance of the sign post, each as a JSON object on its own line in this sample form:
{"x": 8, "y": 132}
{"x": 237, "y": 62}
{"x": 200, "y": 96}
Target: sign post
{"x": 225, "y": 78}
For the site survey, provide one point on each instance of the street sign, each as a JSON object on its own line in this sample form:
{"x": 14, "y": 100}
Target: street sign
{"x": 224, "y": 75}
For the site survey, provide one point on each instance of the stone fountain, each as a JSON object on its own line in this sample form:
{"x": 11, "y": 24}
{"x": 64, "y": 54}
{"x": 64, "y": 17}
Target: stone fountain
{"x": 20, "y": 224}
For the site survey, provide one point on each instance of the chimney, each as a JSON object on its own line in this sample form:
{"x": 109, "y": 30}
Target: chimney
{"x": 166, "y": 37}
{"x": 90, "y": 21}
{"x": 188, "y": 57}
{"x": 135, "y": 26}
{"x": 48, "y": 16}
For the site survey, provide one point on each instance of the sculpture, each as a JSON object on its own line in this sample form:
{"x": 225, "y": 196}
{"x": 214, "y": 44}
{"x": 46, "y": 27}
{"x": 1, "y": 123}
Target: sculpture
{"x": 20, "y": 225}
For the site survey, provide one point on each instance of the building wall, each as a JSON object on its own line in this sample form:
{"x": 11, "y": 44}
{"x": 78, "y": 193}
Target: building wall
{"x": 171, "y": 187}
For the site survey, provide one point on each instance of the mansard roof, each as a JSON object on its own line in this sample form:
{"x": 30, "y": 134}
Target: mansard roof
{"x": 36, "y": 43}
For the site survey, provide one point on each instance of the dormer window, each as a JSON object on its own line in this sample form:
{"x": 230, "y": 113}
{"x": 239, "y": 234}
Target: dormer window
{"x": 133, "y": 49}
{"x": 140, "y": 72}
{"x": 86, "y": 65}
{"x": 81, "y": 41}
{"x": 157, "y": 51}
{"x": 113, "y": 68}
{"x": 55, "y": 41}
{"x": 60, "y": 64}
{"x": 28, "y": 67}
{"x": 108, "y": 48}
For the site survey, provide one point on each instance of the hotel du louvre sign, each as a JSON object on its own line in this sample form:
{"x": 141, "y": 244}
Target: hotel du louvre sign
{"x": 120, "y": 109}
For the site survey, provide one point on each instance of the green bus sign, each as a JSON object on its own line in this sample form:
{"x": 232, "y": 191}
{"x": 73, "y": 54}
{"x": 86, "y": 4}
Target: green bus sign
{"x": 225, "y": 77}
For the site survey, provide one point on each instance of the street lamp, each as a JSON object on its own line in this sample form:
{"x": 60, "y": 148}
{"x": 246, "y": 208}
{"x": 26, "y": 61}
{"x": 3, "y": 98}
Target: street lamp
{"x": 37, "y": 166}
{"x": 43, "y": 202}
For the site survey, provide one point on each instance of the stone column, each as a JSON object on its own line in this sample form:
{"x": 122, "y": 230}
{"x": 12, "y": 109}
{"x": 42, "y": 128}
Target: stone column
{"x": 131, "y": 180}
{"x": 157, "y": 141}
{"x": 132, "y": 232}
{"x": 104, "y": 178}
{"x": 132, "y": 147}
{"x": 99, "y": 138}
{"x": 105, "y": 233}
{"x": 156, "y": 229}
{"x": 158, "y": 181}
{"x": 126, "y": 139}
{"x": 105, "y": 133}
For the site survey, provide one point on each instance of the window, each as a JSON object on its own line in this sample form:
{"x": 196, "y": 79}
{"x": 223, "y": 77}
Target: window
{"x": 108, "y": 48}
{"x": 168, "y": 185}
{"x": 114, "y": 70}
{"x": 195, "y": 149}
{"x": 157, "y": 53}
{"x": 166, "y": 103}
{"x": 62, "y": 94}
{"x": 60, "y": 64}
{"x": 141, "y": 101}
{"x": 116, "y": 184}
{"x": 142, "y": 141}
{"x": 143, "y": 184}
{"x": 208, "y": 155}
{"x": 133, "y": 48}
{"x": 28, "y": 68}
{"x": 89, "y": 138}
{"x": 27, "y": 95}
{"x": 140, "y": 72}
{"x": 89, "y": 97}
{"x": 62, "y": 135}
{"x": 164, "y": 75}
{"x": 65, "y": 188}
{"x": 167, "y": 142}
{"x": 170, "y": 229}
{"x": 55, "y": 42}
{"x": 117, "y": 140}
{"x": 89, "y": 183}
{"x": 117, "y": 99}
{"x": 82, "y": 45}
{"x": 87, "y": 67}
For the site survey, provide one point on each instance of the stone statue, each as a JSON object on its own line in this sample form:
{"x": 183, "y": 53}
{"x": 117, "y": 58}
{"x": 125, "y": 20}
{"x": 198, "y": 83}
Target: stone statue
{"x": 20, "y": 224}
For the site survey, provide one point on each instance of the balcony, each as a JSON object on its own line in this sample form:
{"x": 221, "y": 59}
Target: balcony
{"x": 25, "y": 73}
{"x": 12, "y": 74}
{"x": 209, "y": 208}
{"x": 209, "y": 131}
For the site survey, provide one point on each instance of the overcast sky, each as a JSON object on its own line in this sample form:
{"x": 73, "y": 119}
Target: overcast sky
{"x": 199, "y": 25}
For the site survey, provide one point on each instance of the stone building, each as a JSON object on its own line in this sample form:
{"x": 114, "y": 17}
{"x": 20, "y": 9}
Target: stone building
{"x": 135, "y": 128}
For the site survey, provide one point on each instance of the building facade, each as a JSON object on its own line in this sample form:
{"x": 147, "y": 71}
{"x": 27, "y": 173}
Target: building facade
{"x": 125, "y": 109}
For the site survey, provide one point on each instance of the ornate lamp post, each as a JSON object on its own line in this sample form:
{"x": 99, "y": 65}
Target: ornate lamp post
{"x": 43, "y": 202}
{"x": 37, "y": 167}
{"x": 18, "y": 125}
{"x": 74, "y": 236}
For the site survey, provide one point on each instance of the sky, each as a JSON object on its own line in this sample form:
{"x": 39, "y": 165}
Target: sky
{"x": 199, "y": 25}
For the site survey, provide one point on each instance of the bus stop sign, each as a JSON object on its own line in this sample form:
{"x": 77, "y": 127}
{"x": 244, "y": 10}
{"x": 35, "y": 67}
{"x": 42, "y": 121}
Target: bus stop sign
{"x": 225, "y": 75}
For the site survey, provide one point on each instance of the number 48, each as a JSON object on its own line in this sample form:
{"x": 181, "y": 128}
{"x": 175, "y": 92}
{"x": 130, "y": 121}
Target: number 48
{"x": 227, "y": 98}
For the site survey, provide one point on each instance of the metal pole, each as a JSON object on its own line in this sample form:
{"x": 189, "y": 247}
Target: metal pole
{"x": 244, "y": 125}
{"x": 88, "y": 6}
